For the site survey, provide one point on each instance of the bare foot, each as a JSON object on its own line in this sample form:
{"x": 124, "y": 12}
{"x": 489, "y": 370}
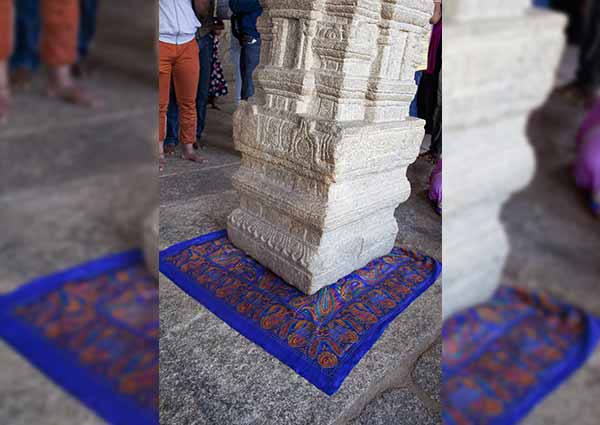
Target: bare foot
{"x": 74, "y": 94}
{"x": 191, "y": 156}
{"x": 62, "y": 85}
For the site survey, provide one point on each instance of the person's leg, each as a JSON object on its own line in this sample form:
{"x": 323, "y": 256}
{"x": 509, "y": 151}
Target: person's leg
{"x": 206, "y": 46}
{"x": 436, "y": 127}
{"x": 166, "y": 57}
{"x": 588, "y": 74}
{"x": 186, "y": 71}
{"x": 60, "y": 26}
{"x": 87, "y": 30}
{"x": 25, "y": 57}
{"x": 87, "y": 27}
{"x": 235, "y": 50}
{"x": 250, "y": 58}
{"x": 6, "y": 36}
{"x": 436, "y": 134}
{"x": 172, "y": 137}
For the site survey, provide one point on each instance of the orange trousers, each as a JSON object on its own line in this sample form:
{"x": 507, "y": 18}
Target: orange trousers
{"x": 6, "y": 28}
{"x": 182, "y": 63}
{"x": 60, "y": 26}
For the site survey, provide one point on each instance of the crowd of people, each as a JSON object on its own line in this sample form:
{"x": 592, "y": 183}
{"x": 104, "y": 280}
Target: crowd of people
{"x": 190, "y": 75}
{"x": 55, "y": 33}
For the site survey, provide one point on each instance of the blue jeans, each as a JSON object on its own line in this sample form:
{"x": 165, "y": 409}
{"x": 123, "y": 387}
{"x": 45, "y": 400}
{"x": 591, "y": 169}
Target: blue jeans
{"x": 235, "y": 50}
{"x": 27, "y": 35}
{"x": 87, "y": 26}
{"x": 206, "y": 45}
{"x": 172, "y": 137}
{"x": 249, "y": 60}
{"x": 28, "y": 27}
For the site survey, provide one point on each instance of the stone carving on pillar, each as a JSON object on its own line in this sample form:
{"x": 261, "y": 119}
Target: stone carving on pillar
{"x": 326, "y": 140}
{"x": 496, "y": 71}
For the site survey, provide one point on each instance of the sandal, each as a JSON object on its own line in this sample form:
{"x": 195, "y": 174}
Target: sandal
{"x": 161, "y": 164}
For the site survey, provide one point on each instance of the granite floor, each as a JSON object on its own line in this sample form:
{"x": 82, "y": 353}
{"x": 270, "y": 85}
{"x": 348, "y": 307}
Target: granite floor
{"x": 75, "y": 184}
{"x": 555, "y": 245}
{"x": 209, "y": 374}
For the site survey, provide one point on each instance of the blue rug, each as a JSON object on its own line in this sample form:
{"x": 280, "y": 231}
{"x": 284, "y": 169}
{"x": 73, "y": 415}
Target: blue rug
{"x": 500, "y": 359}
{"x": 93, "y": 330}
{"x": 321, "y": 337}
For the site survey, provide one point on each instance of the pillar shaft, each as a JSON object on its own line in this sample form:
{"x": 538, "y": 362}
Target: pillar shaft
{"x": 327, "y": 139}
{"x": 499, "y": 65}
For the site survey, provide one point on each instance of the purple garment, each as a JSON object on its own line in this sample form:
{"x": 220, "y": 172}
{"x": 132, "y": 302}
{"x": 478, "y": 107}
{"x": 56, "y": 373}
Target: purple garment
{"x": 587, "y": 164}
{"x": 434, "y": 45}
{"x": 435, "y": 185}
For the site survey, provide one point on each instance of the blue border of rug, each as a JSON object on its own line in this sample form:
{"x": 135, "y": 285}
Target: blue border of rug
{"x": 61, "y": 366}
{"x": 577, "y": 361}
{"x": 256, "y": 335}
{"x": 569, "y": 367}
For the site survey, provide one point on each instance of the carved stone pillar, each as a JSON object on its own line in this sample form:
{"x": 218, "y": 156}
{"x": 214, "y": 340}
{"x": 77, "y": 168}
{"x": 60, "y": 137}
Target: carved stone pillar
{"x": 327, "y": 139}
{"x": 500, "y": 63}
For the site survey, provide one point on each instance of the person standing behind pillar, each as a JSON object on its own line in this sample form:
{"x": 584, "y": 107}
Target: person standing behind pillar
{"x": 87, "y": 31}
{"x": 584, "y": 90}
{"x": 209, "y": 24}
{"x": 235, "y": 51}
{"x": 58, "y": 51}
{"x": 429, "y": 96}
{"x": 587, "y": 163}
{"x": 178, "y": 59}
{"x": 243, "y": 26}
{"x": 24, "y": 61}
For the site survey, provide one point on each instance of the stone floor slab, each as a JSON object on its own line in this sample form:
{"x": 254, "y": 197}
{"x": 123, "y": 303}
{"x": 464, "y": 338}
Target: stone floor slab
{"x": 397, "y": 407}
{"x": 427, "y": 375}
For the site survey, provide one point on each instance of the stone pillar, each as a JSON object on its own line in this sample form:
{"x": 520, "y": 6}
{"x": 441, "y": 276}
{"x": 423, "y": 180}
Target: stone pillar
{"x": 499, "y": 63}
{"x": 327, "y": 139}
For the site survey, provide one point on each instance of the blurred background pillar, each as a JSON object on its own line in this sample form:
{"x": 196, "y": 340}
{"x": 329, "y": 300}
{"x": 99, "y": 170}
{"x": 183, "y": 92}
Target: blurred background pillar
{"x": 502, "y": 64}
